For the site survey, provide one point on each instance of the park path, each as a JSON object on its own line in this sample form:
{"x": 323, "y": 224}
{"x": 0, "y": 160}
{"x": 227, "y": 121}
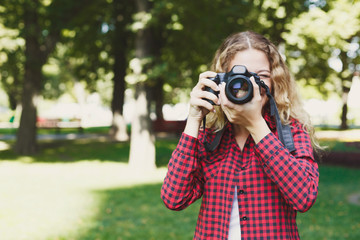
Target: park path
{"x": 59, "y": 136}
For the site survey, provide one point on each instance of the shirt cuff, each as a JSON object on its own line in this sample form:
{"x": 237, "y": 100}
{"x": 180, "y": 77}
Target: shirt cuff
{"x": 268, "y": 148}
{"x": 187, "y": 145}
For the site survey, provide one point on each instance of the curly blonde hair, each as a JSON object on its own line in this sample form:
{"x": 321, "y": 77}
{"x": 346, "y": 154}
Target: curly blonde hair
{"x": 284, "y": 87}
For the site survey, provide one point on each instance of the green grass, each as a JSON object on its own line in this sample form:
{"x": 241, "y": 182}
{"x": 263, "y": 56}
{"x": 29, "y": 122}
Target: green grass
{"x": 338, "y": 146}
{"x": 84, "y": 190}
{"x": 89, "y": 150}
{"x": 74, "y": 150}
{"x": 61, "y": 131}
{"x": 138, "y": 213}
{"x": 332, "y": 216}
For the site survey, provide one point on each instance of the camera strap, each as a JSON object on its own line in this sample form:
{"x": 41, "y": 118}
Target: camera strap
{"x": 284, "y": 131}
{"x": 215, "y": 143}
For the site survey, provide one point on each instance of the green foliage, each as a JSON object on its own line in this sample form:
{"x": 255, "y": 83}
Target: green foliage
{"x": 320, "y": 37}
{"x": 11, "y": 62}
{"x": 49, "y": 19}
{"x": 186, "y": 34}
{"x": 198, "y": 28}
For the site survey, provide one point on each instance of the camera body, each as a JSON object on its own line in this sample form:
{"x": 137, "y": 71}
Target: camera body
{"x": 239, "y": 88}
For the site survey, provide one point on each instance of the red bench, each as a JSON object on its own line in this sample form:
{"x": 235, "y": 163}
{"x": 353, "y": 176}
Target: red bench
{"x": 163, "y": 126}
{"x": 58, "y": 124}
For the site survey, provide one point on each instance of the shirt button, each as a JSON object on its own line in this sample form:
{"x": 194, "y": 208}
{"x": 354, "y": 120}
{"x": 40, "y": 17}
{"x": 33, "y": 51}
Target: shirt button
{"x": 244, "y": 218}
{"x": 243, "y": 168}
{"x": 241, "y": 191}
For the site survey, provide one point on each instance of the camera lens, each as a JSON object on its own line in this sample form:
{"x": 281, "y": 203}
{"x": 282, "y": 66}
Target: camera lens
{"x": 239, "y": 90}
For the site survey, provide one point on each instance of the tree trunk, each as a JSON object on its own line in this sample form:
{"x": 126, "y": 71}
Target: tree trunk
{"x": 346, "y": 78}
{"x": 142, "y": 145}
{"x": 345, "y": 96}
{"x": 26, "y": 143}
{"x": 158, "y": 95}
{"x": 118, "y": 131}
{"x": 26, "y": 135}
{"x": 344, "y": 124}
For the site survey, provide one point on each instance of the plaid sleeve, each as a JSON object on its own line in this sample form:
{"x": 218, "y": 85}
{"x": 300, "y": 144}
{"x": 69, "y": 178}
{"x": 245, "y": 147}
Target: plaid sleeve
{"x": 183, "y": 183}
{"x": 296, "y": 174}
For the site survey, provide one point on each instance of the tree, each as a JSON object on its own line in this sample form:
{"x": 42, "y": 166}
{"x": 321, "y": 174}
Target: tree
{"x": 320, "y": 35}
{"x": 142, "y": 145}
{"x": 122, "y": 18}
{"x": 39, "y": 24}
{"x": 100, "y": 46}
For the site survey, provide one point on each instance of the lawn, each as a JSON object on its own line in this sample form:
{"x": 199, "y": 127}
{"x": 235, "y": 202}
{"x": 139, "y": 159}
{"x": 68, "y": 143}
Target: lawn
{"x": 84, "y": 189}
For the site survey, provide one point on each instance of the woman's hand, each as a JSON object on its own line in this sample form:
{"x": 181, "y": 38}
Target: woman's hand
{"x": 248, "y": 115}
{"x": 199, "y": 106}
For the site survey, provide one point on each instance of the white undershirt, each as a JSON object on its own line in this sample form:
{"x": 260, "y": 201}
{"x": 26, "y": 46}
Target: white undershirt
{"x": 234, "y": 228}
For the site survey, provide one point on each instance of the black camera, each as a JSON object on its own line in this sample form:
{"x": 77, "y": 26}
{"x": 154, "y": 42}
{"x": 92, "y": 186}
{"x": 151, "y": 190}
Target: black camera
{"x": 239, "y": 88}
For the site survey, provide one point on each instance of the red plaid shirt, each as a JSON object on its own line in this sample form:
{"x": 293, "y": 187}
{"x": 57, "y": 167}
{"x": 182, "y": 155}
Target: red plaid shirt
{"x": 272, "y": 183}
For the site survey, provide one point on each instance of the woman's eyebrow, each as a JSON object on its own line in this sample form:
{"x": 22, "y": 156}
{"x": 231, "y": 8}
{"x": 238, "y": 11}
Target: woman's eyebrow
{"x": 263, "y": 70}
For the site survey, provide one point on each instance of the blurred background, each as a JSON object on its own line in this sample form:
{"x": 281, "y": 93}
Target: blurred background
{"x": 94, "y": 94}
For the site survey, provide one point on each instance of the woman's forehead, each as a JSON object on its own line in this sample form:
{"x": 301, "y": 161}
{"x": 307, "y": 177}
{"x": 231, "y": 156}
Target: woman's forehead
{"x": 254, "y": 60}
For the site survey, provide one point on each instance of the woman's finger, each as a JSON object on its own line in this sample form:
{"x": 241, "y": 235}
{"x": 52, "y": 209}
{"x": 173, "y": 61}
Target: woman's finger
{"x": 207, "y": 74}
{"x": 224, "y": 101}
{"x": 205, "y": 82}
{"x": 201, "y": 103}
{"x": 205, "y": 95}
{"x": 256, "y": 88}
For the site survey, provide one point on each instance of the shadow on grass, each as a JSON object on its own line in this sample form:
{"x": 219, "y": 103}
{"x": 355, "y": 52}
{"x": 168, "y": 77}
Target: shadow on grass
{"x": 139, "y": 213}
{"x": 88, "y": 150}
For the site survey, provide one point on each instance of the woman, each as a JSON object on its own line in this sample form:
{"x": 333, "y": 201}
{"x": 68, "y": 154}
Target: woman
{"x": 251, "y": 185}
